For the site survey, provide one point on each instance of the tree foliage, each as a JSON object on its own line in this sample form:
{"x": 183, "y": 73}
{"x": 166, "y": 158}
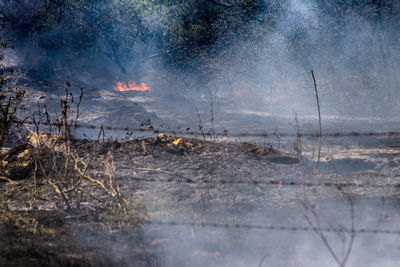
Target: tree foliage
{"x": 192, "y": 36}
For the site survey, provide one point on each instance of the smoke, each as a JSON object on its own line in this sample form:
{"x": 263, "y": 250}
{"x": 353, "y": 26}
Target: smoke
{"x": 185, "y": 245}
{"x": 259, "y": 52}
{"x": 355, "y": 60}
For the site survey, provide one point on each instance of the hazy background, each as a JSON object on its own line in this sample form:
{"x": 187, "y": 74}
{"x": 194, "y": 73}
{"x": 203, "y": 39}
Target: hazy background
{"x": 258, "y": 53}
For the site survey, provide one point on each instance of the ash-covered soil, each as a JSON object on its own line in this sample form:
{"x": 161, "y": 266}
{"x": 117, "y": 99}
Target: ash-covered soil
{"x": 226, "y": 201}
{"x": 197, "y": 202}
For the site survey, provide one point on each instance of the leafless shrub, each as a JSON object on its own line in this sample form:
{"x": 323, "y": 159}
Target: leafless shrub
{"x": 312, "y": 218}
{"x": 62, "y": 165}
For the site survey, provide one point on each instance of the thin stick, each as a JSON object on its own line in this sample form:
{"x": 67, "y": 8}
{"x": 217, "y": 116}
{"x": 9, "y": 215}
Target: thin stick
{"x": 212, "y": 115}
{"x": 262, "y": 260}
{"x": 319, "y": 117}
{"x": 318, "y": 229}
{"x": 77, "y": 111}
{"x": 153, "y": 170}
{"x": 200, "y": 125}
{"x": 353, "y": 233}
{"x": 3, "y": 178}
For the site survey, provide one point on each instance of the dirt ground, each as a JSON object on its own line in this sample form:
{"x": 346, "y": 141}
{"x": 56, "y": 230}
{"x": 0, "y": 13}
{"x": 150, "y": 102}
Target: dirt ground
{"x": 201, "y": 201}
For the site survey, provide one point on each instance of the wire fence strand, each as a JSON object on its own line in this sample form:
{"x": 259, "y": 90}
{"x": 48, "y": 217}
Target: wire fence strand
{"x": 275, "y": 227}
{"x": 227, "y": 133}
{"x": 279, "y": 183}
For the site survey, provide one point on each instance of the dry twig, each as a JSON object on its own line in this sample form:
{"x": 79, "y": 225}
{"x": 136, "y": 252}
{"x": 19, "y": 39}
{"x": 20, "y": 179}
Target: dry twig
{"x": 319, "y": 117}
{"x": 153, "y": 170}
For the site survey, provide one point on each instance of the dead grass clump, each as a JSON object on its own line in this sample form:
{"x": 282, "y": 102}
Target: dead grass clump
{"x": 58, "y": 172}
{"x": 61, "y": 164}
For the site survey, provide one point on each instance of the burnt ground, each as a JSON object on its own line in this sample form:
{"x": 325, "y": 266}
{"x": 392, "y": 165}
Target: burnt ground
{"x": 193, "y": 171}
{"x": 220, "y": 202}
{"x": 200, "y": 202}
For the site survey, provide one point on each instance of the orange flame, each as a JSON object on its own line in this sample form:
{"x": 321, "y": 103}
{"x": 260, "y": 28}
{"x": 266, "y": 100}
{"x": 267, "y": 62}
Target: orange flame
{"x": 132, "y": 86}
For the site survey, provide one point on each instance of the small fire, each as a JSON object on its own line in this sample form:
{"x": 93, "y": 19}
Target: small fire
{"x": 131, "y": 86}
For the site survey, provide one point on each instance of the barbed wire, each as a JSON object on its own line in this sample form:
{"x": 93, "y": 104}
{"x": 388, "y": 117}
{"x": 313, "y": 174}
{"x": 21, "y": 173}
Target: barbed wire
{"x": 279, "y": 183}
{"x": 226, "y": 133}
{"x": 274, "y": 227}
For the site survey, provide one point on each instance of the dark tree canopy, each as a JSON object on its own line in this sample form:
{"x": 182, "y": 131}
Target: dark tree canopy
{"x": 190, "y": 36}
